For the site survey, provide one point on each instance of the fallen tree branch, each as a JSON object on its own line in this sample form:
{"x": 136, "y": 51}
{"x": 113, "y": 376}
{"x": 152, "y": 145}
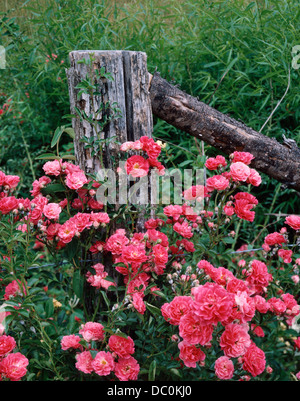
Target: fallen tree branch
{"x": 279, "y": 161}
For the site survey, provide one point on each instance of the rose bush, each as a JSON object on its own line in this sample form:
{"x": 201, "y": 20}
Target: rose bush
{"x": 86, "y": 295}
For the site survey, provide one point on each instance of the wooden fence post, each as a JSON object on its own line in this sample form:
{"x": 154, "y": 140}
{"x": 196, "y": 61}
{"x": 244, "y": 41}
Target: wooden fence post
{"x": 110, "y": 101}
{"x": 127, "y": 90}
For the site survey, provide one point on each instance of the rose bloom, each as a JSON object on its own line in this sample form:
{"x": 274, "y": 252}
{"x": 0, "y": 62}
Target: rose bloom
{"x": 103, "y": 363}
{"x": 53, "y": 168}
{"x": 246, "y": 306}
{"x": 52, "y": 211}
{"x": 183, "y": 229}
{"x": 76, "y": 180}
{"x": 173, "y": 211}
{"x": 12, "y": 289}
{"x": 293, "y": 221}
{"x": 7, "y": 344}
{"x": 212, "y": 303}
{"x": 71, "y": 341}
{"x": 257, "y": 330}
{"x": 235, "y": 340}
{"x": 122, "y": 346}
{"x": 160, "y": 254}
{"x": 194, "y": 330}
{"x": 274, "y": 239}
{"x": 276, "y": 306}
{"x": 178, "y": 307}
{"x": 137, "y": 166}
{"x": 261, "y": 304}
{"x": 285, "y": 255}
{"x": 196, "y": 192}
{"x": 92, "y": 331}
{"x": 99, "y": 218}
{"x": 115, "y": 243}
{"x": 14, "y": 366}
{"x": 66, "y": 232}
{"x": 254, "y": 178}
{"x": 224, "y": 368}
{"x": 151, "y": 147}
{"x": 212, "y": 163}
{"x": 138, "y": 303}
{"x": 11, "y": 181}
{"x": 127, "y": 369}
{"x": 244, "y": 157}
{"x": 8, "y": 204}
{"x": 80, "y": 222}
{"x": 243, "y": 210}
{"x": 190, "y": 354}
{"x": 133, "y": 253}
{"x": 258, "y": 275}
{"x": 84, "y": 362}
{"x": 239, "y": 171}
{"x": 218, "y": 182}
{"x": 254, "y": 360}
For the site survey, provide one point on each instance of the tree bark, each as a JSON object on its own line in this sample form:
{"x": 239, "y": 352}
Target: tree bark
{"x": 190, "y": 115}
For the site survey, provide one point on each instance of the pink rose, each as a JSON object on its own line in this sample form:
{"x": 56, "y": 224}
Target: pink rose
{"x": 214, "y": 163}
{"x": 190, "y": 354}
{"x": 52, "y": 168}
{"x": 194, "y": 330}
{"x": 239, "y": 171}
{"x": 14, "y": 366}
{"x": 122, "y": 346}
{"x": 8, "y": 204}
{"x": 76, "y": 180}
{"x": 254, "y": 178}
{"x": 224, "y": 368}
{"x": 286, "y": 255}
{"x": 176, "y": 309}
{"x": 196, "y": 192}
{"x": 84, "y": 362}
{"x": 137, "y": 166}
{"x": 12, "y": 181}
{"x": 103, "y": 363}
{"x": 92, "y": 331}
{"x": 127, "y": 369}
{"x": 254, "y": 360}
{"x": 235, "y": 340}
{"x": 293, "y": 221}
{"x": 52, "y": 211}
{"x": 7, "y": 344}
{"x": 66, "y": 232}
{"x": 138, "y": 303}
{"x": 212, "y": 303}
{"x": 183, "y": 229}
{"x": 69, "y": 342}
{"x": 218, "y": 182}
{"x": 244, "y": 157}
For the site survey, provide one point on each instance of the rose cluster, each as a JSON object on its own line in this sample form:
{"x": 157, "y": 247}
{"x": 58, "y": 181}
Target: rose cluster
{"x": 13, "y": 365}
{"x": 116, "y": 357}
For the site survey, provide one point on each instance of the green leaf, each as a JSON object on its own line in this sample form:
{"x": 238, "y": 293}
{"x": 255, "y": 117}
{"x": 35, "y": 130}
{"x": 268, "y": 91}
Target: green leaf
{"x": 152, "y": 371}
{"x": 47, "y": 156}
{"x": 52, "y": 188}
{"x": 49, "y": 308}
{"x": 153, "y": 309}
{"x": 57, "y": 134}
{"x": 78, "y": 284}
